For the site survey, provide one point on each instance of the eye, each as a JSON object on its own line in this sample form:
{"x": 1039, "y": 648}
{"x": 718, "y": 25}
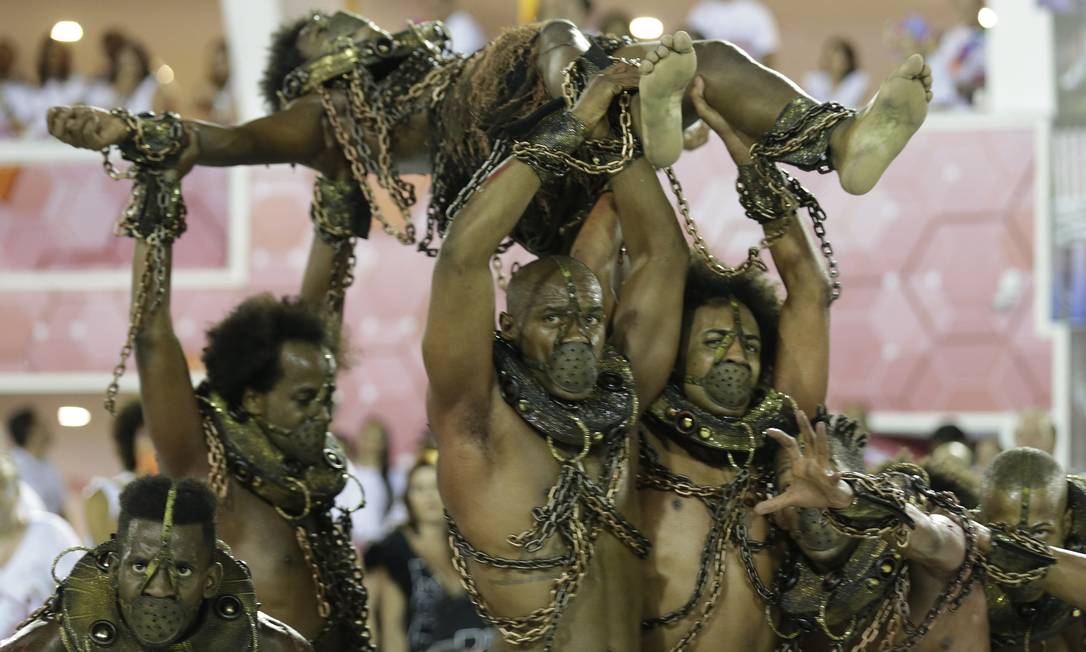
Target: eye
{"x": 752, "y": 347}
{"x": 551, "y": 319}
{"x": 184, "y": 571}
{"x": 592, "y": 320}
{"x": 139, "y": 566}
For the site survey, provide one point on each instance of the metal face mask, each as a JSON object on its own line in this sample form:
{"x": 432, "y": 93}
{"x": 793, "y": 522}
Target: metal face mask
{"x": 572, "y": 366}
{"x": 304, "y": 442}
{"x": 729, "y": 384}
{"x": 158, "y": 621}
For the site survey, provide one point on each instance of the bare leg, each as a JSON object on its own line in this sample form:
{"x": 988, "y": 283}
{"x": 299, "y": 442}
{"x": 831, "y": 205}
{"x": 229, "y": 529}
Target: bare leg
{"x": 751, "y": 97}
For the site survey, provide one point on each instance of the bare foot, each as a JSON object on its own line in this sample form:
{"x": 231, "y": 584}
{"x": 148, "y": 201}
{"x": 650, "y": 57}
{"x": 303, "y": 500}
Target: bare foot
{"x": 665, "y": 74}
{"x": 879, "y": 132}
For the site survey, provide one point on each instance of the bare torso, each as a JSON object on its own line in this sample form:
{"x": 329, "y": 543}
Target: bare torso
{"x": 516, "y": 471}
{"x": 268, "y": 545}
{"x": 678, "y": 528}
{"x": 964, "y": 629}
{"x": 1071, "y": 640}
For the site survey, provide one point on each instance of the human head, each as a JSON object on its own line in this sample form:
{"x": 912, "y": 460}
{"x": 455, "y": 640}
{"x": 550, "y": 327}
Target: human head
{"x": 273, "y": 360}
{"x": 372, "y": 444}
{"x": 164, "y": 567}
{"x": 7, "y": 57}
{"x": 54, "y": 60}
{"x": 1035, "y": 429}
{"x": 305, "y": 38}
{"x": 815, "y": 537}
{"x": 130, "y": 63}
{"x": 950, "y": 474}
{"x": 554, "y": 316}
{"x": 839, "y": 57}
{"x": 1026, "y": 490}
{"x": 29, "y": 432}
{"x": 219, "y": 67}
{"x": 721, "y": 366}
{"x": 134, "y": 447}
{"x": 421, "y": 497}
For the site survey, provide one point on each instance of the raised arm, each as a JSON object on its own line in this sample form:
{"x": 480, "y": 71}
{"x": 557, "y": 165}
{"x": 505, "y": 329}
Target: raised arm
{"x": 801, "y": 369}
{"x": 598, "y": 245}
{"x": 456, "y": 346}
{"x": 169, "y": 404}
{"x": 648, "y": 317}
{"x": 1067, "y": 578}
{"x": 294, "y": 135}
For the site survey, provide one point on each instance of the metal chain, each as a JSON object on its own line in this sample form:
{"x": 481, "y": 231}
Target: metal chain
{"x": 324, "y": 608}
{"x": 217, "y": 479}
{"x": 1016, "y": 578}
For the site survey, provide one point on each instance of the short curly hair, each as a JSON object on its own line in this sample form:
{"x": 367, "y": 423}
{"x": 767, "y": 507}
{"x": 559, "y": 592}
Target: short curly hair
{"x": 283, "y": 57}
{"x": 242, "y": 350}
{"x": 753, "y": 289}
{"x": 145, "y": 499}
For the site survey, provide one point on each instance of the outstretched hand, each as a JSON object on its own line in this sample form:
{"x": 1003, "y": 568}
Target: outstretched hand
{"x": 86, "y": 127}
{"x": 738, "y": 145}
{"x": 602, "y": 89}
{"x": 816, "y": 483}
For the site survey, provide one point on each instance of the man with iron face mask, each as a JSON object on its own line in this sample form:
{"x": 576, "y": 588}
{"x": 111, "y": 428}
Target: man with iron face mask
{"x": 842, "y": 582}
{"x": 163, "y": 583}
{"x": 746, "y": 361}
{"x": 535, "y": 423}
{"x": 1025, "y": 491}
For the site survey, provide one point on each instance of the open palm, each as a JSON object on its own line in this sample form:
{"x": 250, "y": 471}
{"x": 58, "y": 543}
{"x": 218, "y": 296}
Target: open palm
{"x": 816, "y": 482}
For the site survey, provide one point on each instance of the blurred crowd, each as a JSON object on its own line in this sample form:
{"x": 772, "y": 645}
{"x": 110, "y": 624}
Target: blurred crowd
{"x": 130, "y": 79}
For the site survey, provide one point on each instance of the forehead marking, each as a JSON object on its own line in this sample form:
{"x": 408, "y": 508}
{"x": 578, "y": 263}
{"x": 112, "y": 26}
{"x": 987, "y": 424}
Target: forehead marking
{"x": 1023, "y": 509}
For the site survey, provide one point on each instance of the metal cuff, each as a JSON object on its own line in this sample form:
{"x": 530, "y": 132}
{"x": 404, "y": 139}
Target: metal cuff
{"x": 155, "y": 208}
{"x": 764, "y": 198}
{"x": 339, "y": 210}
{"x": 802, "y": 133}
{"x": 155, "y": 138}
{"x": 559, "y": 131}
{"x": 878, "y": 507}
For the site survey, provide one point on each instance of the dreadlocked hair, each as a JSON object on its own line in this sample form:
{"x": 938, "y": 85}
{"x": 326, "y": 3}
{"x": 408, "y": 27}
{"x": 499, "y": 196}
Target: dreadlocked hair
{"x": 754, "y": 289}
{"x": 145, "y": 499}
{"x": 283, "y": 57}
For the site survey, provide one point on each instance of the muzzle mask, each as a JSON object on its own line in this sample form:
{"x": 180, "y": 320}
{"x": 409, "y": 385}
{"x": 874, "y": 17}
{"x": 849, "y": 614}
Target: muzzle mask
{"x": 728, "y": 383}
{"x": 305, "y": 442}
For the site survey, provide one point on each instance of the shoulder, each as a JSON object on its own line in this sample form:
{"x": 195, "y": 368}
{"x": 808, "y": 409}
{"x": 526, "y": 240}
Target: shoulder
{"x": 38, "y": 636}
{"x": 277, "y": 636}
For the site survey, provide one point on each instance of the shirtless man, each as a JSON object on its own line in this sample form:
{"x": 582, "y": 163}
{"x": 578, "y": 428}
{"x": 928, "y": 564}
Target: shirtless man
{"x": 263, "y": 414}
{"x": 162, "y": 584}
{"x": 441, "y": 123}
{"x": 536, "y": 426}
{"x": 935, "y": 563}
{"x": 743, "y": 354}
{"x": 1025, "y": 490}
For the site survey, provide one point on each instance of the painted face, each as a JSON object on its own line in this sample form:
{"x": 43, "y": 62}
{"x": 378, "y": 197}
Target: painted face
{"x": 1038, "y": 511}
{"x": 814, "y": 536}
{"x": 722, "y": 361}
{"x": 161, "y": 589}
{"x": 561, "y": 334}
{"x": 296, "y": 412}
{"x": 423, "y": 499}
{"x": 321, "y": 32}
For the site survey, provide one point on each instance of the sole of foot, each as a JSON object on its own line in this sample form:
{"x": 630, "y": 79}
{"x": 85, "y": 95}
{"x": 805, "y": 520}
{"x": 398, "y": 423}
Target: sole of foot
{"x": 880, "y": 130}
{"x": 666, "y": 72}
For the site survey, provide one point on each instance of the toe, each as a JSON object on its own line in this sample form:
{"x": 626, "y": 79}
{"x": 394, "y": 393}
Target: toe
{"x": 646, "y": 66}
{"x": 683, "y": 42}
{"x": 662, "y": 51}
{"x": 668, "y": 41}
{"x": 911, "y": 66}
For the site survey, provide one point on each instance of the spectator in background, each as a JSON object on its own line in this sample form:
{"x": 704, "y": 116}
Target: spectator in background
{"x": 128, "y": 81}
{"x": 371, "y": 465}
{"x": 102, "y": 495}
{"x": 1035, "y": 429}
{"x": 419, "y": 603}
{"x": 746, "y": 23}
{"x": 29, "y": 542}
{"x": 575, "y": 11}
{"x": 217, "y": 102}
{"x": 615, "y": 22}
{"x": 986, "y": 451}
{"x": 15, "y": 96}
{"x": 467, "y": 36}
{"x": 958, "y": 67}
{"x": 32, "y": 438}
{"x": 838, "y": 78}
{"x": 57, "y": 85}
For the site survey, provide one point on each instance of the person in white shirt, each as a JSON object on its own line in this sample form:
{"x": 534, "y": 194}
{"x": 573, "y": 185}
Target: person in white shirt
{"x": 745, "y": 23}
{"x": 15, "y": 95}
{"x": 958, "y": 64}
{"x": 381, "y": 484}
{"x": 32, "y": 439}
{"x": 57, "y": 84}
{"x": 128, "y": 82}
{"x": 838, "y": 78}
{"x": 30, "y": 540}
